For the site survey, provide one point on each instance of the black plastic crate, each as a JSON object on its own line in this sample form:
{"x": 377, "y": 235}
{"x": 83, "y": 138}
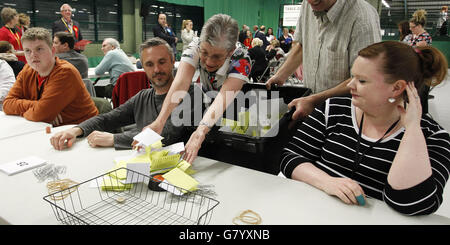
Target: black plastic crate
{"x": 259, "y": 153}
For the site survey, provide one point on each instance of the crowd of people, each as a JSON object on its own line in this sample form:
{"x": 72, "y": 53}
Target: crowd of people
{"x": 362, "y": 132}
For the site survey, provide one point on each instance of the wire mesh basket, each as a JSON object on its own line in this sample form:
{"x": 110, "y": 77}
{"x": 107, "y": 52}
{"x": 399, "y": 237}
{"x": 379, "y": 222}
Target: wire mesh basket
{"x": 90, "y": 203}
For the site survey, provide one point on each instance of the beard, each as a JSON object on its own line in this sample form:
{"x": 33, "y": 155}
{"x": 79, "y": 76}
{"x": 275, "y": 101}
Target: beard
{"x": 162, "y": 81}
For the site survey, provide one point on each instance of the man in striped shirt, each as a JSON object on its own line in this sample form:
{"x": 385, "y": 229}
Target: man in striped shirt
{"x": 328, "y": 36}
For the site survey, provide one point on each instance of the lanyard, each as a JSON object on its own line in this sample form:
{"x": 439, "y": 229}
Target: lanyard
{"x": 358, "y": 158}
{"x": 16, "y": 36}
{"x": 68, "y": 28}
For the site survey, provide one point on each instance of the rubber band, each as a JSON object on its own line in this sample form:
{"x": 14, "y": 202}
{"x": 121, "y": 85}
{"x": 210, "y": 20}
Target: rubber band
{"x": 248, "y": 217}
{"x": 63, "y": 186}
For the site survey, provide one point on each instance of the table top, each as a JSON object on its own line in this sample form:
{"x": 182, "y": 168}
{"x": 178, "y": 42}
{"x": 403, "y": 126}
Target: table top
{"x": 276, "y": 199}
{"x": 11, "y": 126}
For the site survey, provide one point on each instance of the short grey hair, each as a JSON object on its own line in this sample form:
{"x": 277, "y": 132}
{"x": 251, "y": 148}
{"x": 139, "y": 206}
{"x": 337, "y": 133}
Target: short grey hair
{"x": 220, "y": 31}
{"x": 153, "y": 42}
{"x": 66, "y": 4}
{"x": 113, "y": 42}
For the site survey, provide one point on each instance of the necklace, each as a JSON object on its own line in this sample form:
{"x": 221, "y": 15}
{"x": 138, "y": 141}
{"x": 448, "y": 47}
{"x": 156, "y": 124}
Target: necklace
{"x": 359, "y": 157}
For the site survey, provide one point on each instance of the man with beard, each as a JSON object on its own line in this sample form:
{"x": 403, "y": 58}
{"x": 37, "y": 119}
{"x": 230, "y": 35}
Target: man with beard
{"x": 142, "y": 109}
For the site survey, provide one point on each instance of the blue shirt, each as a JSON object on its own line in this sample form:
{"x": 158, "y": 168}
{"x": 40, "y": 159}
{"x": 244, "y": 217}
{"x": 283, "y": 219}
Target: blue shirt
{"x": 115, "y": 62}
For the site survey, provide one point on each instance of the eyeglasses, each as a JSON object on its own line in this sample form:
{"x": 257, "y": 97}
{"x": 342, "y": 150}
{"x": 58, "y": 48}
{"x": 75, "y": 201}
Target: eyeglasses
{"x": 214, "y": 57}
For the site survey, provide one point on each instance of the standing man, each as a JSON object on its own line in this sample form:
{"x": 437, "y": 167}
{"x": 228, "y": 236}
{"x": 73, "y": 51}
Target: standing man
{"x": 67, "y": 24}
{"x": 48, "y": 89}
{"x": 160, "y": 30}
{"x": 328, "y": 36}
{"x": 63, "y": 42}
{"x": 261, "y": 35}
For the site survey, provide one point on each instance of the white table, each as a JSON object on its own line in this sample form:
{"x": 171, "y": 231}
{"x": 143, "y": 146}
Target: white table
{"x": 91, "y": 73}
{"x": 277, "y": 200}
{"x": 11, "y": 126}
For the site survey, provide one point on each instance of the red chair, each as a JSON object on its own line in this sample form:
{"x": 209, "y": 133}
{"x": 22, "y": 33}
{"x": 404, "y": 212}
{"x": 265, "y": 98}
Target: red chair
{"x": 128, "y": 84}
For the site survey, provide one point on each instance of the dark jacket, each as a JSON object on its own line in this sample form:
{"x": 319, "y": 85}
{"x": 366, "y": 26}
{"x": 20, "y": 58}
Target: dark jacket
{"x": 159, "y": 31}
{"x": 60, "y": 26}
{"x": 263, "y": 38}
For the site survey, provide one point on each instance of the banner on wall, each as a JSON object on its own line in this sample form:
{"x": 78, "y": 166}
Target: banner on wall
{"x": 291, "y": 14}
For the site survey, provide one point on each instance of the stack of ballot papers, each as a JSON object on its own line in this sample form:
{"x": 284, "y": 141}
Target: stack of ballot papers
{"x": 152, "y": 158}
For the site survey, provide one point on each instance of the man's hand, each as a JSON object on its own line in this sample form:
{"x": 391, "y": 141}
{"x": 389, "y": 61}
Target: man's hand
{"x": 303, "y": 107}
{"x": 276, "y": 79}
{"x": 65, "y": 139}
{"x": 97, "y": 138}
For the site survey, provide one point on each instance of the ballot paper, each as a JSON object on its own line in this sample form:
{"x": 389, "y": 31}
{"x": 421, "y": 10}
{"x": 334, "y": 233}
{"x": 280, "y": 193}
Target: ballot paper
{"x": 141, "y": 171}
{"x": 147, "y": 137}
{"x": 21, "y": 165}
{"x": 173, "y": 149}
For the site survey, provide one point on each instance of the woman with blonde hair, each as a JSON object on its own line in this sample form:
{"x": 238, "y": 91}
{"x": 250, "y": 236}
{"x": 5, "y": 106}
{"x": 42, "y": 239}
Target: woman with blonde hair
{"x": 420, "y": 37}
{"x": 187, "y": 34}
{"x": 258, "y": 54}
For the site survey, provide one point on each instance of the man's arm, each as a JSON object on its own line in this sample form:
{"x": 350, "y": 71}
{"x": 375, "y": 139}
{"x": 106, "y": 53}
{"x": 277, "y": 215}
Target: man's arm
{"x": 305, "y": 105}
{"x": 15, "y": 102}
{"x": 105, "y": 64}
{"x": 294, "y": 60}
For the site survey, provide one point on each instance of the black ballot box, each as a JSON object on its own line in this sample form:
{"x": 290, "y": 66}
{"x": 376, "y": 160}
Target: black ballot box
{"x": 260, "y": 147}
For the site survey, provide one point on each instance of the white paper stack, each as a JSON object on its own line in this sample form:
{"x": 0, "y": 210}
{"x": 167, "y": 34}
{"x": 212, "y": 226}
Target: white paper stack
{"x": 21, "y": 165}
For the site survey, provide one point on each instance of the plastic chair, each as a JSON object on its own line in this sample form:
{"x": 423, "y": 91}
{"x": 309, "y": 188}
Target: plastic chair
{"x": 129, "y": 84}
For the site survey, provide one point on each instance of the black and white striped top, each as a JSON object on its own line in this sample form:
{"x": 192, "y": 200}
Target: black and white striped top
{"x": 328, "y": 137}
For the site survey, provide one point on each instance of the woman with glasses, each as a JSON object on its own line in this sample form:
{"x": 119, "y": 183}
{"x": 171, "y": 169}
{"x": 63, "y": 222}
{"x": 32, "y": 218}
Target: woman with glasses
{"x": 419, "y": 37}
{"x": 223, "y": 65}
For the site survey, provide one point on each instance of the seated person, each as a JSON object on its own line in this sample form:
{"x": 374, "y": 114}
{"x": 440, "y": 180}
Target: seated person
{"x": 258, "y": 54}
{"x": 115, "y": 61}
{"x": 48, "y": 89}
{"x": 274, "y": 51}
{"x": 7, "y": 54}
{"x": 142, "y": 109}
{"x": 7, "y": 80}
{"x": 377, "y": 143}
{"x": 63, "y": 42}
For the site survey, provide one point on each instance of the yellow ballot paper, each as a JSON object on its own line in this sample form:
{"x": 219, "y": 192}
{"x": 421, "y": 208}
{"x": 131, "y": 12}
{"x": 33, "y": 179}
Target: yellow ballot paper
{"x": 180, "y": 179}
{"x": 164, "y": 162}
{"x": 119, "y": 174}
{"x": 111, "y": 184}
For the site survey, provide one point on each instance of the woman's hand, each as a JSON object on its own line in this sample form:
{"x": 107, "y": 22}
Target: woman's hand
{"x": 194, "y": 144}
{"x": 412, "y": 115}
{"x": 344, "y": 188}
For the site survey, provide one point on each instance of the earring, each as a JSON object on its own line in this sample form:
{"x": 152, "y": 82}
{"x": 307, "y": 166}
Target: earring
{"x": 391, "y": 100}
